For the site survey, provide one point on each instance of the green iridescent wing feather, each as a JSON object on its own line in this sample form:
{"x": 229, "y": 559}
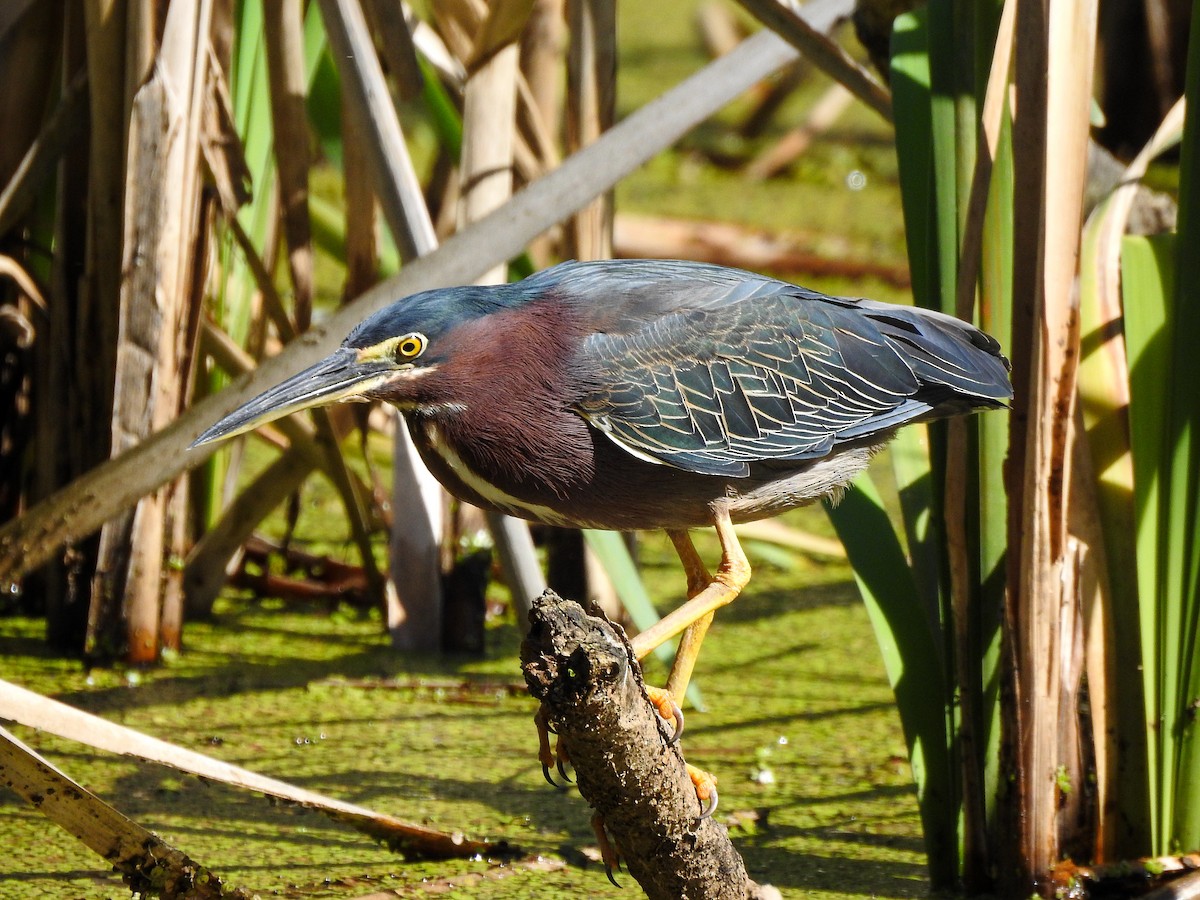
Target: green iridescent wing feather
{"x": 710, "y": 370}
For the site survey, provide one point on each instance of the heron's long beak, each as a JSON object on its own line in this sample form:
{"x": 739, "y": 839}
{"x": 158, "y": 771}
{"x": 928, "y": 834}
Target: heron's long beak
{"x": 340, "y": 376}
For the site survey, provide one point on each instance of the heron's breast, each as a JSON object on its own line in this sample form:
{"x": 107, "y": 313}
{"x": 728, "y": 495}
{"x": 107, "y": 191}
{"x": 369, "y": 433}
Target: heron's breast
{"x": 514, "y": 488}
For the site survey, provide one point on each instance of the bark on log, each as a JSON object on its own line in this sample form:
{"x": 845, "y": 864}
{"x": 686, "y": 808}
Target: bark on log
{"x": 582, "y": 670}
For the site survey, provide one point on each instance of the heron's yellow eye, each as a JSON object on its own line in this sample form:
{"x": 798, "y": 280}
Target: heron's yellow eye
{"x": 410, "y": 346}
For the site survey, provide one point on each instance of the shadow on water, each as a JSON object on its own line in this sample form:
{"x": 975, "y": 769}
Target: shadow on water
{"x": 221, "y": 672}
{"x": 791, "y": 870}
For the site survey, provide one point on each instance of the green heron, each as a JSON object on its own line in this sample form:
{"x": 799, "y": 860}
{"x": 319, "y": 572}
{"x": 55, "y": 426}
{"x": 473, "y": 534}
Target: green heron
{"x": 643, "y": 394}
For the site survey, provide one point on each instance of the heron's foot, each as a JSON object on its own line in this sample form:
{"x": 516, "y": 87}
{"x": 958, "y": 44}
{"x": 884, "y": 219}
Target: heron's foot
{"x": 704, "y": 783}
{"x": 706, "y": 791}
{"x": 608, "y": 852}
{"x": 547, "y": 756}
{"x": 668, "y": 709}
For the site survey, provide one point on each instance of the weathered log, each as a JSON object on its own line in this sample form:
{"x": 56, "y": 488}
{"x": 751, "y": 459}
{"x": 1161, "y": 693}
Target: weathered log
{"x": 149, "y": 865}
{"x": 582, "y": 670}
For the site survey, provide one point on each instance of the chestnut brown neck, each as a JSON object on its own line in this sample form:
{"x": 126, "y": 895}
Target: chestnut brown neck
{"x": 504, "y": 399}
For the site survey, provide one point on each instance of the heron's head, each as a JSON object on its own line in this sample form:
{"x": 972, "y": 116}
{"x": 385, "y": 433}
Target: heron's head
{"x": 388, "y": 357}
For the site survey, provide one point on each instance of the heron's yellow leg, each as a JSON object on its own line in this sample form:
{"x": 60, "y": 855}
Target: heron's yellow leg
{"x": 694, "y": 617}
{"x": 689, "y": 644}
{"x": 686, "y": 656}
{"x": 693, "y": 566}
{"x": 706, "y": 594}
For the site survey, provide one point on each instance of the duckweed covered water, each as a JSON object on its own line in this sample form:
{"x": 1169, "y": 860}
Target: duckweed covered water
{"x": 800, "y": 727}
{"x": 800, "y": 730}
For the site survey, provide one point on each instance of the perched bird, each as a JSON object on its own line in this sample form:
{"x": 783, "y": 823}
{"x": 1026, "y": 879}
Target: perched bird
{"x": 641, "y": 394}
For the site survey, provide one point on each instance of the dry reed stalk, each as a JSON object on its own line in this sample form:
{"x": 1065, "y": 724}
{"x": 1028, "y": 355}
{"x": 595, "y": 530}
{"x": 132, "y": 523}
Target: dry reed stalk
{"x": 283, "y": 29}
{"x": 489, "y": 139}
{"x": 1054, "y": 47}
{"x": 146, "y": 862}
{"x": 591, "y": 106}
{"x": 160, "y": 244}
{"x": 413, "y": 610}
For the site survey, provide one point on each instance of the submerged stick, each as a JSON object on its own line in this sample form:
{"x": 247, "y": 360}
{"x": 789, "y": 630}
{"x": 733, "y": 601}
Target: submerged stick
{"x": 36, "y": 711}
{"x": 581, "y": 668}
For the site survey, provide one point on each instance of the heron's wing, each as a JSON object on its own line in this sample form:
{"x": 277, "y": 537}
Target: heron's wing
{"x": 780, "y": 373}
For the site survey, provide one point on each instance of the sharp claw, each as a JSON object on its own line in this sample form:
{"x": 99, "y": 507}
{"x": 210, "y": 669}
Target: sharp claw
{"x": 663, "y": 701}
{"x": 678, "y": 714}
{"x": 545, "y": 754}
{"x": 608, "y": 853}
{"x": 708, "y": 809}
{"x": 550, "y": 779}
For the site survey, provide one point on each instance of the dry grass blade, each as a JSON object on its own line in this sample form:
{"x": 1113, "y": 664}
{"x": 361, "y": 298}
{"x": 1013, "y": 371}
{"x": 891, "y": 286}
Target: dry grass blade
{"x": 501, "y": 28}
{"x": 457, "y": 23}
{"x": 1112, "y": 217}
{"x": 824, "y": 53}
{"x": 489, "y": 133}
{"x": 541, "y": 57}
{"x": 36, "y": 711}
{"x": 283, "y": 30}
{"x": 719, "y": 28}
{"x": 272, "y": 302}
{"x": 362, "y": 245}
{"x": 354, "y": 496}
{"x": 10, "y": 268}
{"x": 147, "y": 862}
{"x": 539, "y": 112}
{"x": 434, "y": 50}
{"x": 94, "y": 497}
{"x": 389, "y": 22}
{"x": 224, "y": 156}
{"x": 535, "y": 151}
